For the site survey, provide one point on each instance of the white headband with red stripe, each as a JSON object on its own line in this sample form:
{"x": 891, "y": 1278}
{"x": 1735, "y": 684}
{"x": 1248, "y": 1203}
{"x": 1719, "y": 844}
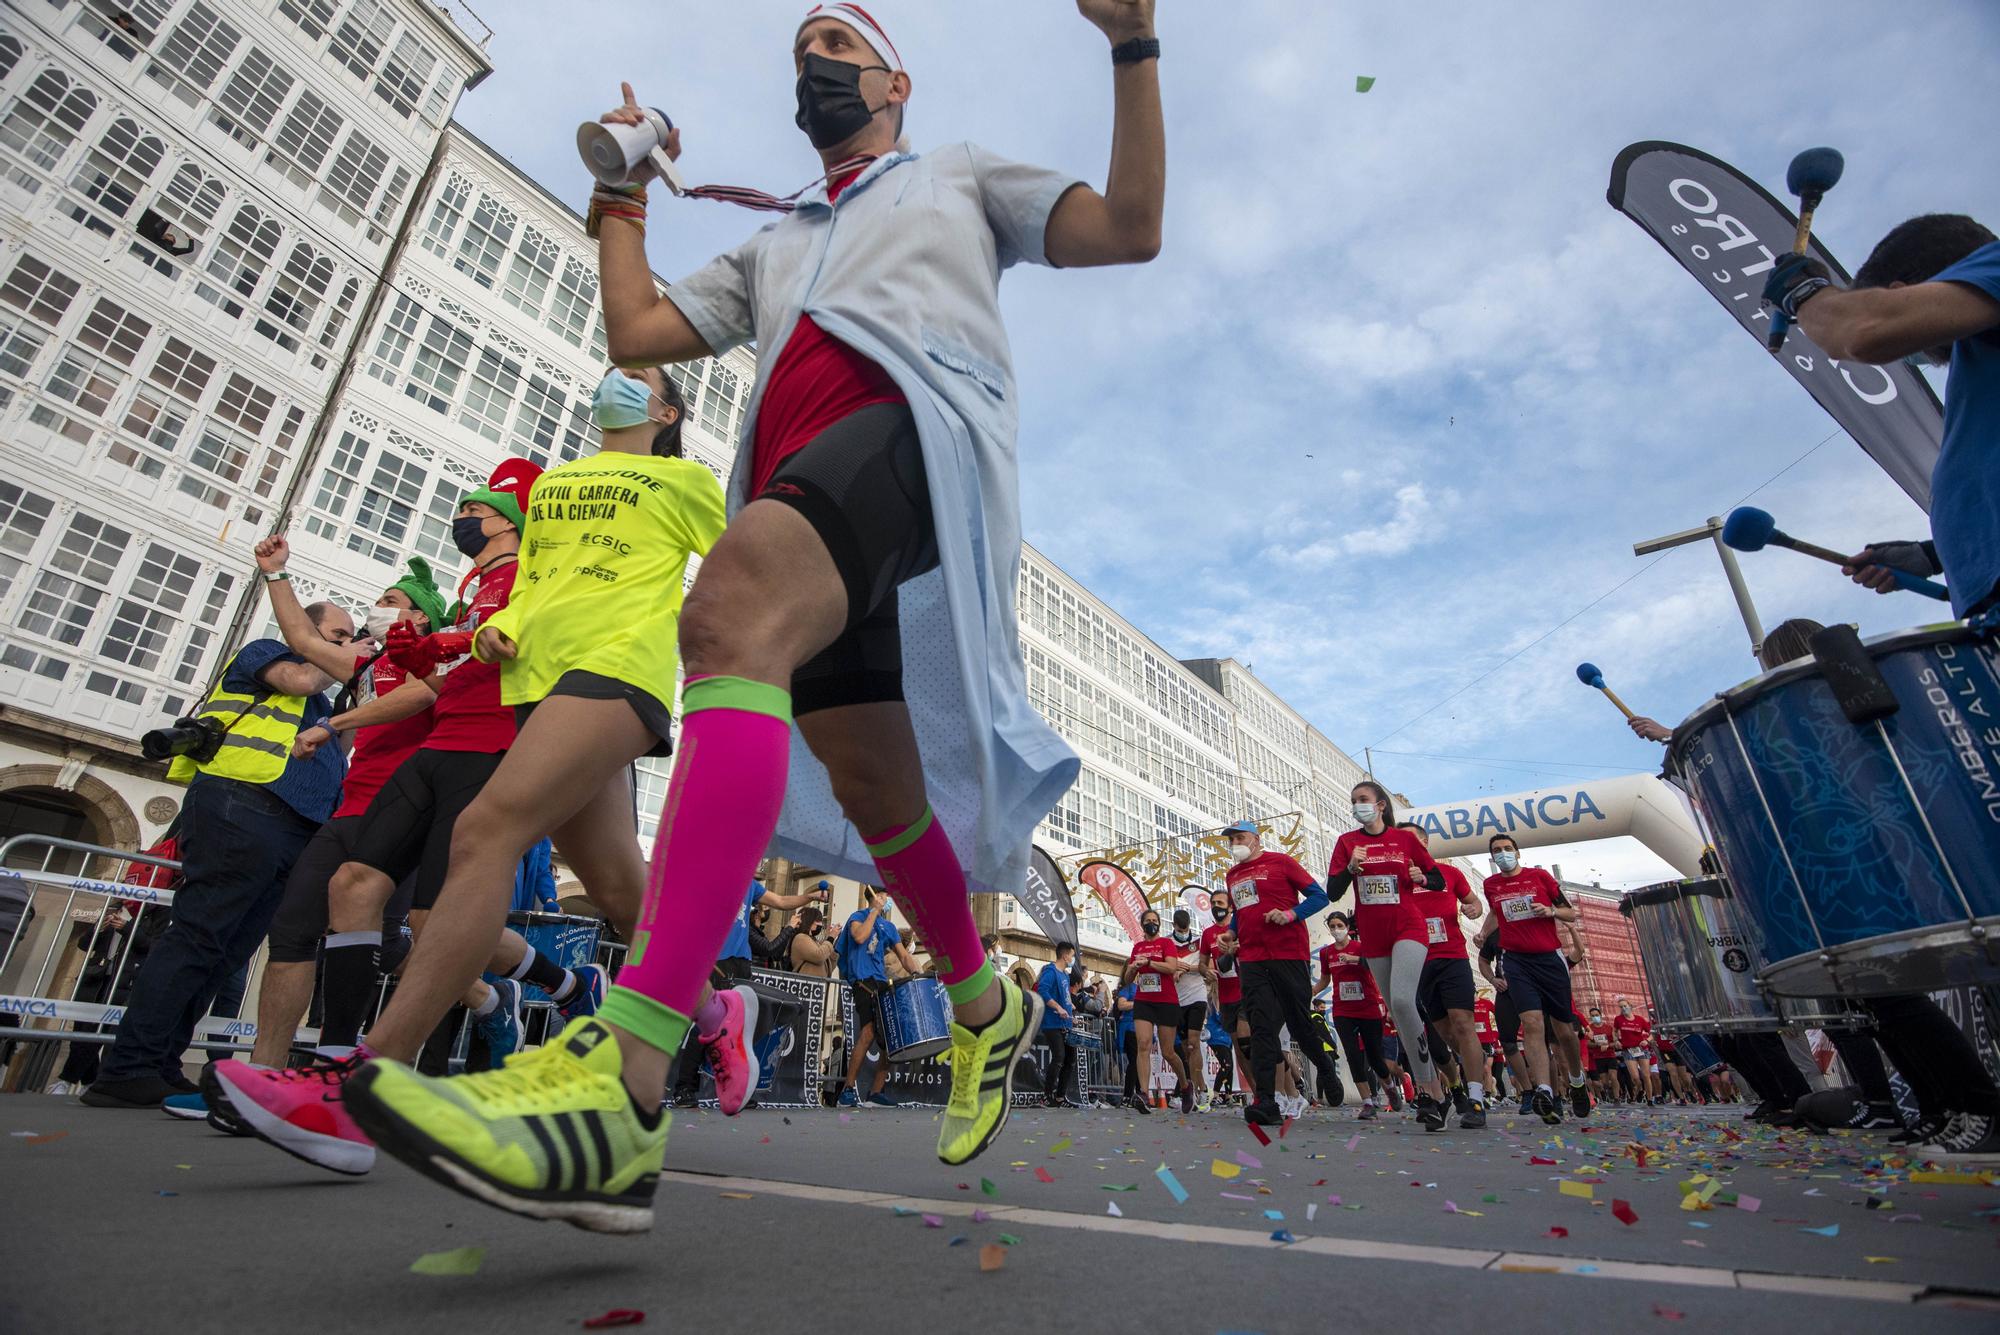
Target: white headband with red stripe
{"x": 859, "y": 19}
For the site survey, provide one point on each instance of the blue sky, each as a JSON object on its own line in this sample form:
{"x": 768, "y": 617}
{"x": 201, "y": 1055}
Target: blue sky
{"x": 1402, "y": 389}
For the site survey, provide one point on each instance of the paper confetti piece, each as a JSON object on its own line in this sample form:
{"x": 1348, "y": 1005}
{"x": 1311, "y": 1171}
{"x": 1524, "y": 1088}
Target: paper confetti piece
{"x": 1008, "y": 1239}
{"x": 1557, "y": 1231}
{"x": 1258, "y": 1132}
{"x": 1113, "y": 1186}
{"x": 1282, "y": 1235}
{"x": 1666, "y": 1313}
{"x": 845, "y": 1119}
{"x": 1312, "y": 1211}
{"x": 1059, "y": 1147}
{"x": 1830, "y": 1231}
{"x": 1583, "y": 1189}
{"x": 737, "y": 1196}
{"x": 457, "y": 1261}
{"x": 1490, "y": 1199}
{"x": 1224, "y": 1169}
{"x": 1274, "y": 1214}
{"x": 1362, "y": 83}
{"x": 1111, "y": 1208}
{"x": 617, "y": 1316}
{"x": 1248, "y": 1160}
{"x": 1694, "y": 1202}
{"x": 1172, "y": 1184}
{"x": 933, "y": 1221}
{"x": 1623, "y": 1212}
{"x": 1044, "y": 1175}
{"x": 958, "y": 1239}
{"x": 980, "y": 1216}
{"x": 1353, "y": 1141}
{"x": 1235, "y": 1196}
{"x": 1956, "y": 1179}
{"x": 986, "y": 1185}
{"x": 23, "y": 1135}
{"x": 1751, "y": 1204}
{"x": 902, "y": 1211}
{"x": 166, "y": 1193}
{"x": 1880, "y": 1260}
{"x": 1536, "y": 1158}
{"x": 184, "y": 1167}
{"x": 992, "y": 1256}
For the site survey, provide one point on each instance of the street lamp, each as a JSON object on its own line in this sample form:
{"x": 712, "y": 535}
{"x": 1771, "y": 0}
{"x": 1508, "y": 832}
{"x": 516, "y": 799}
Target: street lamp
{"x": 1712, "y": 530}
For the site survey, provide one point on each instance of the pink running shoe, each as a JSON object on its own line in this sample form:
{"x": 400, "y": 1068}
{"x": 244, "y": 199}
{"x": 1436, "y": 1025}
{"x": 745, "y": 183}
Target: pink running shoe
{"x": 299, "y": 1110}
{"x": 731, "y": 1057}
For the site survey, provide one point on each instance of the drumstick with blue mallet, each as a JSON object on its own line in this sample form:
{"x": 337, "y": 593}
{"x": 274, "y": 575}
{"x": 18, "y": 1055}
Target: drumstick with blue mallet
{"x": 1749, "y": 529}
{"x": 1811, "y": 175}
{"x": 1590, "y": 675}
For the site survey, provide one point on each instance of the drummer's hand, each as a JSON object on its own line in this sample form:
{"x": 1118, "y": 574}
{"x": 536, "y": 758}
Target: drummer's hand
{"x": 1648, "y": 729}
{"x": 1874, "y": 566}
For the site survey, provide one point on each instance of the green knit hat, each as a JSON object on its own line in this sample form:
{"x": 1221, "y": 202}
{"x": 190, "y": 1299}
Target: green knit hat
{"x": 422, "y": 590}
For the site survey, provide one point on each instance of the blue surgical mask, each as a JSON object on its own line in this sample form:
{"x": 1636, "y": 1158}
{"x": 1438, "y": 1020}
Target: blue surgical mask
{"x": 620, "y": 402}
{"x": 1507, "y": 862}
{"x": 1364, "y": 812}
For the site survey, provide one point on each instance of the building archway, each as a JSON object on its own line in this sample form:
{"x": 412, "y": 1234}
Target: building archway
{"x": 89, "y": 810}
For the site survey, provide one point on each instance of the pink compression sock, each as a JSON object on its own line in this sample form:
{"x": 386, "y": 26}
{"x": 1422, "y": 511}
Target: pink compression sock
{"x": 722, "y": 806}
{"x": 921, "y": 872}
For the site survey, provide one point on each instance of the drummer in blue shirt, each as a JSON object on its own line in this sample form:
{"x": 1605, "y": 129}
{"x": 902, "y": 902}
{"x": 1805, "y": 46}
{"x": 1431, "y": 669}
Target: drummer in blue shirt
{"x": 1930, "y": 290}
{"x": 865, "y": 945}
{"x": 1057, "y": 1021}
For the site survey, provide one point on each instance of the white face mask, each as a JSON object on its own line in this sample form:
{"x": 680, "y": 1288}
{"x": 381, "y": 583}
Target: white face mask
{"x": 381, "y": 618}
{"x": 1364, "y": 812}
{"x": 1506, "y": 862}
{"x": 1240, "y": 852}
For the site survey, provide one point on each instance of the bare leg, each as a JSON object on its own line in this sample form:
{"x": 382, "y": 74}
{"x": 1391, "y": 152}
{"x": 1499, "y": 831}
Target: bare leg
{"x": 859, "y": 1053}
{"x": 564, "y": 756}
{"x": 601, "y": 844}
{"x": 1534, "y": 1048}
{"x": 282, "y": 999}
{"x": 1464, "y": 1036}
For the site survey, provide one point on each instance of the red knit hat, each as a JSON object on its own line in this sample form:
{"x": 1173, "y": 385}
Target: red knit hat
{"x": 507, "y": 490}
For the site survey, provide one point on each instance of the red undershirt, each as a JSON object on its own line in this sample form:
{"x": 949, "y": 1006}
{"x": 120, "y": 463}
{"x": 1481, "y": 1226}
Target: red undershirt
{"x": 817, "y": 381}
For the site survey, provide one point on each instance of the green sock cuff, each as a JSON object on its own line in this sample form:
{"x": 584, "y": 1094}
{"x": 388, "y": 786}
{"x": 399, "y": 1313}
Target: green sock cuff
{"x": 753, "y": 697}
{"x": 970, "y": 989}
{"x": 896, "y": 843}
{"x": 645, "y": 1019}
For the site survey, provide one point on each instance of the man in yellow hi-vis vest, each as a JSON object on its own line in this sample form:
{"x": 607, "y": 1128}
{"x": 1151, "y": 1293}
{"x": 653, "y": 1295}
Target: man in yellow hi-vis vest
{"x": 251, "y": 805}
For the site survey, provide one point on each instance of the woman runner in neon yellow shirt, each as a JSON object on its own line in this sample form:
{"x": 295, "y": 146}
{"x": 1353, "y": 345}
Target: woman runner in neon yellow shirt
{"x": 586, "y": 647}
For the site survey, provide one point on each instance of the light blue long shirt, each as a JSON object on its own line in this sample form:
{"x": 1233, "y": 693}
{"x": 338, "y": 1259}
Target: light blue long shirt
{"x": 905, "y": 268}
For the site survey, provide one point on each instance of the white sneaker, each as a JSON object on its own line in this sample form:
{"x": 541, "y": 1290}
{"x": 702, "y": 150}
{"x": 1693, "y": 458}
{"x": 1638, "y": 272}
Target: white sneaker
{"x": 1203, "y": 1102}
{"x": 64, "y": 1087}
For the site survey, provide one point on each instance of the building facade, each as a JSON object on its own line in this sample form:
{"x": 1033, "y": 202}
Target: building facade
{"x": 198, "y": 199}
{"x": 1611, "y": 964}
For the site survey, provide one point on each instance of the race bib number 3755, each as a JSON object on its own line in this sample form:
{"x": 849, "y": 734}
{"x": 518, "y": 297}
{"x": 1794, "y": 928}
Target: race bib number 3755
{"x": 1380, "y": 890}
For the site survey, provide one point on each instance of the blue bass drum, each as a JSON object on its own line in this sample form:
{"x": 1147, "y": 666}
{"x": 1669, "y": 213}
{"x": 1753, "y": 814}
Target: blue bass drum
{"x": 568, "y": 939}
{"x": 1698, "y": 1055}
{"x": 916, "y": 1020}
{"x": 1867, "y": 855}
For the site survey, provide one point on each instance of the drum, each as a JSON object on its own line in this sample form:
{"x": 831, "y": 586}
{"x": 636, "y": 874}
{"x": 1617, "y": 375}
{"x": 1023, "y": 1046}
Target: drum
{"x": 916, "y": 1020}
{"x": 1867, "y": 855}
{"x": 567, "y": 938}
{"x": 1697, "y": 1054}
{"x": 1663, "y": 948}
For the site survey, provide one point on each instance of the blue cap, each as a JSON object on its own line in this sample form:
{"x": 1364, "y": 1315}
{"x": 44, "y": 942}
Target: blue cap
{"x": 1241, "y": 827}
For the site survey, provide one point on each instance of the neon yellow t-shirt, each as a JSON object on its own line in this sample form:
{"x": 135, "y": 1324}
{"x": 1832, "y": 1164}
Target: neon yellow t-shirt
{"x": 603, "y": 567}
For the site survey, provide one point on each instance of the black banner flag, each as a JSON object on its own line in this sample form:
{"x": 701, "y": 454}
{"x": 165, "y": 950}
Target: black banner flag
{"x": 1727, "y": 231}
{"x": 1045, "y": 896}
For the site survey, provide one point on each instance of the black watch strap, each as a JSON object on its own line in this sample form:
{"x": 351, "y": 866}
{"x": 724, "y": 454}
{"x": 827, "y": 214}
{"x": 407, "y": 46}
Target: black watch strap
{"x": 1136, "y": 49}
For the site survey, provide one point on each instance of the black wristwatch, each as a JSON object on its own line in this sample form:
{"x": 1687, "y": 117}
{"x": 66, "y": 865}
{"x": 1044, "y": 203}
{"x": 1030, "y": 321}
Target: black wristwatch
{"x": 1134, "y": 50}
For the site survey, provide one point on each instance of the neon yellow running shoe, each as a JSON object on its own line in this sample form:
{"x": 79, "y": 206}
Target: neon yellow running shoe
{"x": 982, "y": 1074}
{"x": 550, "y": 1135}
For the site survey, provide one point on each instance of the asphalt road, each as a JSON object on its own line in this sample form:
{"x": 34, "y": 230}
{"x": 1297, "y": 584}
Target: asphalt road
{"x": 792, "y": 1220}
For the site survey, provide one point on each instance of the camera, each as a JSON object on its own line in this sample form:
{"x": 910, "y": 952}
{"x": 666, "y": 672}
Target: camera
{"x": 196, "y": 738}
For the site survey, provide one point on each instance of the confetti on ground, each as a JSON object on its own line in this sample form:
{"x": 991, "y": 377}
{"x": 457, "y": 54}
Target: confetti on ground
{"x": 933, "y": 1221}
{"x": 1536, "y": 1158}
{"x": 1111, "y": 1208}
{"x": 764, "y": 1141}
{"x": 1666, "y": 1313}
{"x": 1235, "y": 1196}
{"x": 1112, "y": 1186}
{"x": 902, "y": 1211}
{"x": 1750, "y": 1204}
{"x": 1312, "y": 1212}
{"x": 1008, "y": 1239}
{"x": 1880, "y": 1260}
{"x": 737, "y": 1196}
{"x": 617, "y": 1316}
{"x": 980, "y": 1216}
{"x": 1223, "y": 1169}
{"x": 1362, "y": 83}
{"x": 1960, "y": 1179}
{"x": 1282, "y": 1235}
{"x": 1171, "y": 1183}
{"x": 23, "y": 1135}
{"x": 457, "y": 1261}
{"x": 1623, "y": 1212}
{"x": 58, "y": 1135}
{"x": 166, "y": 1193}
{"x": 1258, "y": 1132}
{"x": 1353, "y": 1142}
{"x": 1044, "y": 1175}
{"x": 1274, "y": 1214}
{"x": 1059, "y": 1147}
{"x": 1830, "y": 1231}
{"x": 184, "y": 1167}
{"x": 1583, "y": 1189}
{"x": 992, "y": 1256}
{"x": 986, "y": 1185}
{"x": 1558, "y": 1231}
{"x": 957, "y": 1240}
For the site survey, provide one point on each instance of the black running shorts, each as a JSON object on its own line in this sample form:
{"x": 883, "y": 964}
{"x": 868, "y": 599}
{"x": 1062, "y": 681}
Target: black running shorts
{"x": 861, "y": 485}
{"x": 407, "y": 828}
{"x": 658, "y": 719}
{"x": 1444, "y": 985}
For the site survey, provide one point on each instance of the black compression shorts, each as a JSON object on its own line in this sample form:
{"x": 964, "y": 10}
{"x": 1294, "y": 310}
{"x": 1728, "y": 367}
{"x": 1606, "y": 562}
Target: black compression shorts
{"x": 657, "y": 718}
{"x": 407, "y": 828}
{"x": 302, "y": 913}
{"x": 861, "y": 484}
{"x": 1445, "y": 985}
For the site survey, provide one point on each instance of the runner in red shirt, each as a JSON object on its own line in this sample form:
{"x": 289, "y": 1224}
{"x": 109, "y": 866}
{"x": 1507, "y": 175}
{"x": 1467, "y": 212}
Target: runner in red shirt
{"x": 1445, "y": 990}
{"x": 1274, "y": 896}
{"x": 1386, "y": 866}
{"x": 1601, "y": 1048}
{"x": 1357, "y": 1011}
{"x": 1489, "y": 1043}
{"x": 1526, "y": 905}
{"x": 1218, "y": 955}
{"x": 389, "y": 717}
{"x": 1156, "y": 1008}
{"x": 1634, "y": 1032}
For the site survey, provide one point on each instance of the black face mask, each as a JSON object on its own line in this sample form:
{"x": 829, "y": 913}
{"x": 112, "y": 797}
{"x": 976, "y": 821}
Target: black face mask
{"x": 468, "y": 534}
{"x": 831, "y": 107}
{"x": 1150, "y": 928}
{"x": 1221, "y": 915}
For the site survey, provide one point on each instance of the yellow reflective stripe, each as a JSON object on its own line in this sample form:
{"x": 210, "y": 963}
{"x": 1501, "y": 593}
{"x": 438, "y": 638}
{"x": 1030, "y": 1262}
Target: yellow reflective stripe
{"x": 233, "y": 741}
